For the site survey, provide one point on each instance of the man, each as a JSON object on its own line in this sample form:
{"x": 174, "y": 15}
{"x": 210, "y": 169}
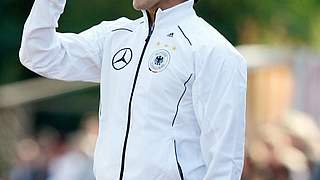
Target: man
{"x": 172, "y": 89}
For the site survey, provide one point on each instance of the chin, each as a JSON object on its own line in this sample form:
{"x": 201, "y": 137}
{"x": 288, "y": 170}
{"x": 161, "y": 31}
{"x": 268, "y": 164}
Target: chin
{"x": 138, "y": 5}
{"x": 143, "y": 4}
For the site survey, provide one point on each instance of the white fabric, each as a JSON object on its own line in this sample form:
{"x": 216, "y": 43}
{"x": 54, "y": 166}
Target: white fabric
{"x": 197, "y": 101}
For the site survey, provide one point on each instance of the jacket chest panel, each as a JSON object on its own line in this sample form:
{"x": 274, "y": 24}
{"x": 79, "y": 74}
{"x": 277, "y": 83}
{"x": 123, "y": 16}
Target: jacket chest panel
{"x": 165, "y": 66}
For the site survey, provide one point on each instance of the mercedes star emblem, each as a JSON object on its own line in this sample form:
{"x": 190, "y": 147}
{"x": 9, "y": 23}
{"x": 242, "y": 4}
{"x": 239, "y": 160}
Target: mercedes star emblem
{"x": 122, "y": 58}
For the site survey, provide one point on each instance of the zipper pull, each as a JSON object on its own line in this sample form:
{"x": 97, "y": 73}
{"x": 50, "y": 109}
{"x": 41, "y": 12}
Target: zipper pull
{"x": 150, "y": 33}
{"x": 148, "y": 37}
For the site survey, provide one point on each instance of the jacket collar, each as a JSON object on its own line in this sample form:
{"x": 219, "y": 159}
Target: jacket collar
{"x": 172, "y": 15}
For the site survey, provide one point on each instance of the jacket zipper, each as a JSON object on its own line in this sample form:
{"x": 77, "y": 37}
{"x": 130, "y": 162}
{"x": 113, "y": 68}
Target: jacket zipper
{"x": 130, "y": 104}
{"x": 177, "y": 161}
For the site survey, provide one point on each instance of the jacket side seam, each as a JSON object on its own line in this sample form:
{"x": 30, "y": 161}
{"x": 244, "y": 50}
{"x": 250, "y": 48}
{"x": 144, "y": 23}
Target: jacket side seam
{"x": 178, "y": 104}
{"x": 184, "y": 35}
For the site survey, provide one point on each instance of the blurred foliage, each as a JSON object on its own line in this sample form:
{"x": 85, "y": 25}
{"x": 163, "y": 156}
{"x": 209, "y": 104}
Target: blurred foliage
{"x": 241, "y": 21}
{"x": 273, "y": 21}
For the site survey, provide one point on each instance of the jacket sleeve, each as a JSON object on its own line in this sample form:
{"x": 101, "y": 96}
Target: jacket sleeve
{"x": 219, "y": 96}
{"x": 63, "y": 56}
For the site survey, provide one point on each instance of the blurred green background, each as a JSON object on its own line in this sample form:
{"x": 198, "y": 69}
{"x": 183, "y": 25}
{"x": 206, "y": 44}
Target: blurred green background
{"x": 274, "y": 91}
{"x": 241, "y": 21}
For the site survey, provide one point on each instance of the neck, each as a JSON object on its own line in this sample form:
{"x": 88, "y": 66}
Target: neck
{"x": 162, "y": 5}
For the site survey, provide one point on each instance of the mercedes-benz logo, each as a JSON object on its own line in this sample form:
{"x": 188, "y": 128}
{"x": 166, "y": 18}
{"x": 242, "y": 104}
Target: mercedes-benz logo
{"x": 122, "y": 58}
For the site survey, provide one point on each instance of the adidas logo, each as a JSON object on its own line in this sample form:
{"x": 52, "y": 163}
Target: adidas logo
{"x": 170, "y": 35}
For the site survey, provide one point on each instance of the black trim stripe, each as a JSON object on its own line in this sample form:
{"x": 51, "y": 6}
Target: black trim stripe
{"x": 177, "y": 161}
{"x": 185, "y": 35}
{"x": 122, "y": 29}
{"x": 130, "y": 107}
{"x": 185, "y": 89}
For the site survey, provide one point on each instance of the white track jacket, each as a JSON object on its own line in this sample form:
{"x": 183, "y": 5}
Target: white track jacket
{"x": 172, "y": 101}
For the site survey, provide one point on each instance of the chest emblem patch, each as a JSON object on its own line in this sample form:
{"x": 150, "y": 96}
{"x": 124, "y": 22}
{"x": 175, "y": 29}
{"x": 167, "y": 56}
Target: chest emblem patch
{"x": 159, "y": 61}
{"x": 122, "y": 58}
